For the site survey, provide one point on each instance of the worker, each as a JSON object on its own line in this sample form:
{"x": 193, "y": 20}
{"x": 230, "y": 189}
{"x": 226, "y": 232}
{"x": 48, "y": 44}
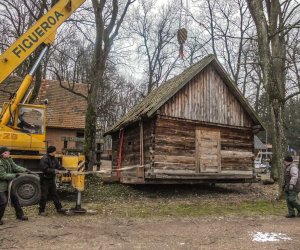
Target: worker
{"x": 23, "y": 124}
{"x": 291, "y": 186}
{"x": 9, "y": 170}
{"x": 50, "y": 167}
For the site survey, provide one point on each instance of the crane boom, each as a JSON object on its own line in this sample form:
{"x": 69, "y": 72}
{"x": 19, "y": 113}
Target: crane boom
{"x": 23, "y": 125}
{"x": 43, "y": 31}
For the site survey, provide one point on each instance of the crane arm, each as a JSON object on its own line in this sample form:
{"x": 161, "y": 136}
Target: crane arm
{"x": 19, "y": 96}
{"x": 43, "y": 31}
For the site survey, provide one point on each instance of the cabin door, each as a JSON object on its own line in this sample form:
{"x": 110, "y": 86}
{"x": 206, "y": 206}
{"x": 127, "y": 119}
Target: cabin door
{"x": 208, "y": 150}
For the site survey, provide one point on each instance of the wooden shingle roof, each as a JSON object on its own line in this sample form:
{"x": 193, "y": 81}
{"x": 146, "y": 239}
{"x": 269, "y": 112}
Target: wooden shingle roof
{"x": 164, "y": 92}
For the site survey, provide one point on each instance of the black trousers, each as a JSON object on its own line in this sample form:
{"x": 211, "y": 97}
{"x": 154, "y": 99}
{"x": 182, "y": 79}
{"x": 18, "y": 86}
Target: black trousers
{"x": 48, "y": 189}
{"x": 14, "y": 201}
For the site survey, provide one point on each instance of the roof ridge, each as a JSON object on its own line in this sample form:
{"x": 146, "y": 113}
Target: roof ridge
{"x": 169, "y": 86}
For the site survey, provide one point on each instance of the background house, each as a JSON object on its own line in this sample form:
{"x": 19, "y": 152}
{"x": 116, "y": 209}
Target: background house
{"x": 196, "y": 127}
{"x": 65, "y": 112}
{"x": 65, "y": 115}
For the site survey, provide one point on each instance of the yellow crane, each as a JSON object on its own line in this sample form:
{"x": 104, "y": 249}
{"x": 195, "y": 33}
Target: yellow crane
{"x": 27, "y": 142}
{"x": 42, "y": 32}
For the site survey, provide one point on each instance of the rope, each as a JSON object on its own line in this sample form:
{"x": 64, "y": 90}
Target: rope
{"x": 180, "y": 15}
{"x": 186, "y": 10}
{"x": 9, "y": 193}
{"x": 94, "y": 172}
{"x": 120, "y": 153}
{"x": 89, "y": 172}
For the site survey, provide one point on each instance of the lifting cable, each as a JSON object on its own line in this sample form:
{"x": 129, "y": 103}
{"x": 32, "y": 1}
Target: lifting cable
{"x": 182, "y": 32}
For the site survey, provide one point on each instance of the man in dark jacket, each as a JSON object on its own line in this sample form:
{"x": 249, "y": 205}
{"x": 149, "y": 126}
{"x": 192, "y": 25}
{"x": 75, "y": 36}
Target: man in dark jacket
{"x": 49, "y": 166}
{"x": 291, "y": 187}
{"x": 8, "y": 171}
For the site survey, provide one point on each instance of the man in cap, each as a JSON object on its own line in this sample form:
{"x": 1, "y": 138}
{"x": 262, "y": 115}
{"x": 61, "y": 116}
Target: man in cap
{"x": 291, "y": 187}
{"x": 8, "y": 171}
{"x": 49, "y": 166}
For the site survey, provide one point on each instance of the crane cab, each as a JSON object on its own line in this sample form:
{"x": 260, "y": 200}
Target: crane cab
{"x": 26, "y": 128}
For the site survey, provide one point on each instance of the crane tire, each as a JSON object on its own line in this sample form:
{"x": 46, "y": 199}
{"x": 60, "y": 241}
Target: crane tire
{"x": 27, "y": 189}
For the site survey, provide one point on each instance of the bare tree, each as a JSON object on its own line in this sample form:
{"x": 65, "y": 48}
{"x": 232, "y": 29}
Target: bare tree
{"x": 208, "y": 20}
{"x": 19, "y": 16}
{"x": 108, "y": 19}
{"x": 293, "y": 58}
{"x": 70, "y": 56}
{"x": 224, "y": 30}
{"x": 274, "y": 21}
{"x": 155, "y": 33}
{"x": 118, "y": 95}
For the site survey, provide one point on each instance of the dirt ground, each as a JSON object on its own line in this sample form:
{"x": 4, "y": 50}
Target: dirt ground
{"x": 160, "y": 217}
{"x": 94, "y": 232}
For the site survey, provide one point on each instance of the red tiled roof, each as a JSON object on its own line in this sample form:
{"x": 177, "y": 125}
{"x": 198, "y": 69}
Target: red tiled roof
{"x": 64, "y": 109}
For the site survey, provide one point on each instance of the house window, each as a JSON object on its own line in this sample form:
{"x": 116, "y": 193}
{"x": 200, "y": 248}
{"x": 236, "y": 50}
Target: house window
{"x": 79, "y": 143}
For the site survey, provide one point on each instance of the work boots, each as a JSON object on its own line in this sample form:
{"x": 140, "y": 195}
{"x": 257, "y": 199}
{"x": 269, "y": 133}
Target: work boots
{"x": 62, "y": 211}
{"x": 1, "y": 222}
{"x": 22, "y": 217}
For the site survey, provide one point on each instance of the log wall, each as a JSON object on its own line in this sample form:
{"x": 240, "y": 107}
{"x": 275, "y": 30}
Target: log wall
{"x": 131, "y": 154}
{"x": 175, "y": 148}
{"x": 207, "y": 98}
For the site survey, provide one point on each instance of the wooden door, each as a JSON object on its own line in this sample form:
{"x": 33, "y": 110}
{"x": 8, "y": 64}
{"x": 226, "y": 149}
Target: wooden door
{"x": 208, "y": 150}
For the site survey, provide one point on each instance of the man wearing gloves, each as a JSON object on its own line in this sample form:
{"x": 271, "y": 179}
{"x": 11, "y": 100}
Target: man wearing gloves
{"x": 291, "y": 187}
{"x": 49, "y": 166}
{"x": 8, "y": 171}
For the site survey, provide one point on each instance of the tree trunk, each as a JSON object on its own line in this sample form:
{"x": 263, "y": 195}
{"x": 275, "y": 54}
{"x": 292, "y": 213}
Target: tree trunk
{"x": 278, "y": 143}
{"x": 105, "y": 35}
{"x": 272, "y": 54}
{"x": 90, "y": 132}
{"x": 96, "y": 81}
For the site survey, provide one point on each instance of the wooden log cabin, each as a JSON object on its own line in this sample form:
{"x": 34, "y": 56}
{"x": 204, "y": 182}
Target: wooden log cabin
{"x": 196, "y": 127}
